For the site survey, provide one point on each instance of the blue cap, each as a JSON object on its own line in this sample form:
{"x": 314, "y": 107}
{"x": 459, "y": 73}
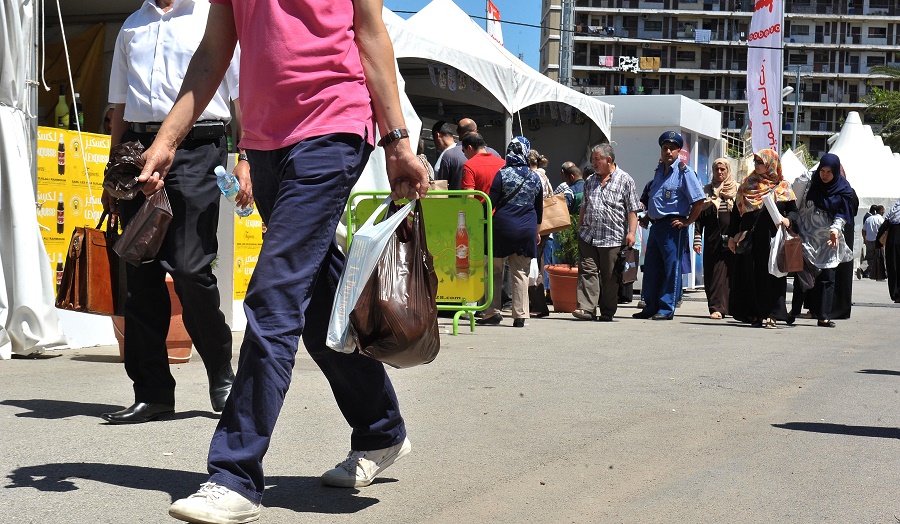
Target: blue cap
{"x": 671, "y": 136}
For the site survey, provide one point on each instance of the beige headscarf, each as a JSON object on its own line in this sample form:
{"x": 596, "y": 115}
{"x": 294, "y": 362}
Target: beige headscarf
{"x": 725, "y": 191}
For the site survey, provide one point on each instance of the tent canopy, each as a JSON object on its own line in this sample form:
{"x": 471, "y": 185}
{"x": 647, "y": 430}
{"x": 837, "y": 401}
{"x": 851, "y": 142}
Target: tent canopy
{"x": 442, "y": 32}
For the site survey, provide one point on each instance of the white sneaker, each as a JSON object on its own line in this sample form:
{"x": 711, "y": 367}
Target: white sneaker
{"x": 215, "y": 504}
{"x": 361, "y": 467}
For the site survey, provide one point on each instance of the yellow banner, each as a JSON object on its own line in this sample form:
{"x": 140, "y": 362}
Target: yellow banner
{"x": 248, "y": 233}
{"x": 69, "y": 186}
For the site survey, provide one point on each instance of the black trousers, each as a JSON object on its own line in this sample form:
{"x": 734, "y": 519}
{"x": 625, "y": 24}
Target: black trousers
{"x": 188, "y": 250}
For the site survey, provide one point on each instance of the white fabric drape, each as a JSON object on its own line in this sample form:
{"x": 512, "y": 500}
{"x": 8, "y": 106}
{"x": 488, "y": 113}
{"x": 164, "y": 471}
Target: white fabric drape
{"x": 28, "y": 320}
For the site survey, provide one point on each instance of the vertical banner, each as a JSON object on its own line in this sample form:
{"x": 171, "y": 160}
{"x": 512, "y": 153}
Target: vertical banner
{"x": 493, "y": 22}
{"x": 764, "y": 74}
{"x": 248, "y": 233}
{"x": 67, "y": 196}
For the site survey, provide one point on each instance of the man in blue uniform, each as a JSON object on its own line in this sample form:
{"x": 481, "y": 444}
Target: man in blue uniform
{"x": 674, "y": 200}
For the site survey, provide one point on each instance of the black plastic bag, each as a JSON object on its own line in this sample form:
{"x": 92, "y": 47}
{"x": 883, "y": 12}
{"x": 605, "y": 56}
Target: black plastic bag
{"x": 145, "y": 232}
{"x": 120, "y": 178}
{"x": 626, "y": 266}
{"x": 395, "y": 319}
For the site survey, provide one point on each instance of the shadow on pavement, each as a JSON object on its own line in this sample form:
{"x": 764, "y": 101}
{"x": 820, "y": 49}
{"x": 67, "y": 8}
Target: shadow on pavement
{"x": 841, "y": 429}
{"x": 879, "y": 372}
{"x": 299, "y": 494}
{"x": 57, "y": 409}
{"x": 100, "y": 359}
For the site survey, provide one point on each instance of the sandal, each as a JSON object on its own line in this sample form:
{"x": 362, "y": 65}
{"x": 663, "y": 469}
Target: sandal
{"x": 716, "y": 315}
{"x": 583, "y": 314}
{"x": 826, "y": 323}
{"x": 769, "y": 323}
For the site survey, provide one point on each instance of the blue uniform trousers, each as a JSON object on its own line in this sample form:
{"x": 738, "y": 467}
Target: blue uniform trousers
{"x": 662, "y": 267}
{"x": 301, "y": 192}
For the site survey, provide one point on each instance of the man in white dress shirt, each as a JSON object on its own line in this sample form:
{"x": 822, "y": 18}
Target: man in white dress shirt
{"x": 152, "y": 53}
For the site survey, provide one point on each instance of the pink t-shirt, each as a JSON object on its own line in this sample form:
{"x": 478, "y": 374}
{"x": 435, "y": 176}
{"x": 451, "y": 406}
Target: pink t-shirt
{"x": 301, "y": 74}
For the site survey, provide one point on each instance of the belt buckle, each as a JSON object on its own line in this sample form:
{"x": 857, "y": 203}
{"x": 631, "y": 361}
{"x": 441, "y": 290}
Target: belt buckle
{"x": 152, "y": 128}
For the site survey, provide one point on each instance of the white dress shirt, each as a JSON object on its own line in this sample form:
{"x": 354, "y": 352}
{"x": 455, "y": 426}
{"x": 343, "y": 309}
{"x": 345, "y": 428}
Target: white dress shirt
{"x": 152, "y": 54}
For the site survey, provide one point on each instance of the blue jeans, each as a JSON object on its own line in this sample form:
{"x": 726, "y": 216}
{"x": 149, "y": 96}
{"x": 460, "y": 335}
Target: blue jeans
{"x": 301, "y": 192}
{"x": 662, "y": 268}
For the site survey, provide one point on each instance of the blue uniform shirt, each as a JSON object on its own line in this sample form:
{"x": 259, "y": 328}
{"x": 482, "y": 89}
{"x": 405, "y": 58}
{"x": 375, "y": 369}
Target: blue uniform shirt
{"x": 673, "y": 193}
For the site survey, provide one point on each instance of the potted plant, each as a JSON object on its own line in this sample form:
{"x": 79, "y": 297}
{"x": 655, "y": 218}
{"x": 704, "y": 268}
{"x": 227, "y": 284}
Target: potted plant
{"x": 564, "y": 276}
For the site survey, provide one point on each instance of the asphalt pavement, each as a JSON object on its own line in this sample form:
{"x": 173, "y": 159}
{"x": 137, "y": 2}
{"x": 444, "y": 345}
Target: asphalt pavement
{"x": 564, "y": 421}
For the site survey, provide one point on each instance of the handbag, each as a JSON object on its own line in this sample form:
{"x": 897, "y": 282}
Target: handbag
{"x": 395, "y": 318}
{"x": 626, "y": 266}
{"x": 145, "y": 232}
{"x": 790, "y": 258}
{"x": 744, "y": 239}
{"x": 556, "y": 215}
{"x": 93, "y": 279}
{"x": 433, "y": 185}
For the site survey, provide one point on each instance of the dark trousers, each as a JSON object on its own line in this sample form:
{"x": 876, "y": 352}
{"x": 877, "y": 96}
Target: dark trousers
{"x": 824, "y": 290}
{"x": 598, "y": 284}
{"x": 188, "y": 250}
{"x": 662, "y": 267}
{"x": 301, "y": 192}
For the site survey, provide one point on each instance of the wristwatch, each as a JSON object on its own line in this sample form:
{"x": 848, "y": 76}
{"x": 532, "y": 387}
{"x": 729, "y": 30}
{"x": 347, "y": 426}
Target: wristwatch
{"x": 243, "y": 156}
{"x": 393, "y": 136}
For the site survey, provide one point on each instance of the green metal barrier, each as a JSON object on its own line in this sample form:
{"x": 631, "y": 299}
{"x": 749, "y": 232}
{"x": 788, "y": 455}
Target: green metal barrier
{"x": 452, "y": 220}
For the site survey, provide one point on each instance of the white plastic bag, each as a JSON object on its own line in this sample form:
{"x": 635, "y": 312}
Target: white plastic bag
{"x": 774, "y": 247}
{"x": 533, "y": 273}
{"x": 368, "y": 244}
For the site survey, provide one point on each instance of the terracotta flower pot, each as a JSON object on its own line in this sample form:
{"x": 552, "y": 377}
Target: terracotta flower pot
{"x": 563, "y": 283}
{"x": 178, "y": 342}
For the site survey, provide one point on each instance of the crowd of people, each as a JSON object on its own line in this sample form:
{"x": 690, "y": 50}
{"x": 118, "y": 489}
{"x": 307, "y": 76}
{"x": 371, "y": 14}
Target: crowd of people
{"x": 733, "y": 231}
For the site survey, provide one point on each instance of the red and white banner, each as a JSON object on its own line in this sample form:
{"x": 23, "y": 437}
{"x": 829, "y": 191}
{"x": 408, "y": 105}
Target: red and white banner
{"x": 764, "y": 73}
{"x": 493, "y": 22}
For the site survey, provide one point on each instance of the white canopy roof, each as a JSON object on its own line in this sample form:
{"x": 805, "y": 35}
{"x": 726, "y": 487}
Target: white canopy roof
{"x": 442, "y": 32}
{"x": 869, "y": 164}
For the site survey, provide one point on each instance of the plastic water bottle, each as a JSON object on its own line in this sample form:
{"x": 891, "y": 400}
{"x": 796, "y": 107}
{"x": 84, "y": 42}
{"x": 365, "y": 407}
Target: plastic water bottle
{"x": 229, "y": 185}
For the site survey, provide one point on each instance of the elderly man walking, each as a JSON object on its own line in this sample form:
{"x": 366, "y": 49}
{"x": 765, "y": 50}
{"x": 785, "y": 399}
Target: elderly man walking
{"x": 675, "y": 198}
{"x": 607, "y": 223}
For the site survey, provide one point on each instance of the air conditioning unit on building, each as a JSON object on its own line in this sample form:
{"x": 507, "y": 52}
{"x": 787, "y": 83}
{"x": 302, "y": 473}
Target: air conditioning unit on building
{"x": 646, "y": 45}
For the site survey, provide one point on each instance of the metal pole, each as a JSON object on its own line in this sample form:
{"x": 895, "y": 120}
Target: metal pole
{"x": 796, "y": 110}
{"x": 565, "y": 42}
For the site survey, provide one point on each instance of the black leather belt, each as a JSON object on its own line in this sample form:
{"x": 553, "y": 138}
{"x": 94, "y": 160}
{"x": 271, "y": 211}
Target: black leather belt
{"x": 202, "y": 130}
{"x": 668, "y": 218}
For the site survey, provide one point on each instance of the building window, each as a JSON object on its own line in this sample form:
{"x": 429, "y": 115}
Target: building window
{"x": 878, "y": 32}
{"x": 686, "y": 56}
{"x": 684, "y": 85}
{"x": 873, "y": 61}
{"x": 653, "y": 26}
{"x": 799, "y": 30}
{"x": 797, "y": 59}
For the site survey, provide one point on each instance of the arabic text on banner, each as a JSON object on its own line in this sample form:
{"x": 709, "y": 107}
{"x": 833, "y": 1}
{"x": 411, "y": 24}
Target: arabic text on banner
{"x": 764, "y": 74}
{"x": 493, "y": 22}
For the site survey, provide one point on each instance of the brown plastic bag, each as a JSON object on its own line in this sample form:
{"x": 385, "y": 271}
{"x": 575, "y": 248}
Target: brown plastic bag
{"x": 120, "y": 178}
{"x": 145, "y": 232}
{"x": 395, "y": 319}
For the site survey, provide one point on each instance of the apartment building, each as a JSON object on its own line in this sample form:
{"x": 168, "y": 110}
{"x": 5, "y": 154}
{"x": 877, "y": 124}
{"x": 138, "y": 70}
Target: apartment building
{"x": 698, "y": 48}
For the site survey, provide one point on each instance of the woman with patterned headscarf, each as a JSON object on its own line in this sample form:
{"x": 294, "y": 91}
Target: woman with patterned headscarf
{"x": 517, "y": 197}
{"x": 824, "y": 212}
{"x": 756, "y": 295}
{"x": 712, "y": 227}
{"x": 890, "y": 233}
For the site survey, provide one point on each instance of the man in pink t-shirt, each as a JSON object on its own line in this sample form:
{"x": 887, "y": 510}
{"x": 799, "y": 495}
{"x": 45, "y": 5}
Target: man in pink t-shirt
{"x": 316, "y": 77}
{"x": 481, "y": 167}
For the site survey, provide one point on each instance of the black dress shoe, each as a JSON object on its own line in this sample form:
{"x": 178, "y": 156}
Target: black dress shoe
{"x": 138, "y": 413}
{"x": 220, "y": 386}
{"x": 826, "y": 323}
{"x": 518, "y": 322}
{"x": 642, "y": 315}
{"x": 662, "y": 316}
{"x": 491, "y": 320}
{"x": 605, "y": 318}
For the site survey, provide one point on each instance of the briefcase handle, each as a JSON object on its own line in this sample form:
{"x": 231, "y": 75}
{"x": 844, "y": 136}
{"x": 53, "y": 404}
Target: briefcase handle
{"x": 112, "y": 228}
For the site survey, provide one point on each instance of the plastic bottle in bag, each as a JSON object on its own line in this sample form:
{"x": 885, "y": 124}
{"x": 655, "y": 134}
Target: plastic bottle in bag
{"x": 229, "y": 185}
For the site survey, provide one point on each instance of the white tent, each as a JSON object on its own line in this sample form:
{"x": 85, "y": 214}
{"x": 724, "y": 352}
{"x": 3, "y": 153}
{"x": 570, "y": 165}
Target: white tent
{"x": 442, "y": 33}
{"x": 28, "y": 320}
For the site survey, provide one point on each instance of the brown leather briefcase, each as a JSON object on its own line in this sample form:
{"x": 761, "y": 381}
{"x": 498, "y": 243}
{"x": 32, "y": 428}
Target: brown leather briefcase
{"x": 93, "y": 278}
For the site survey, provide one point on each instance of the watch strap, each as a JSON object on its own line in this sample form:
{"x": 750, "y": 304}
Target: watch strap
{"x": 393, "y": 136}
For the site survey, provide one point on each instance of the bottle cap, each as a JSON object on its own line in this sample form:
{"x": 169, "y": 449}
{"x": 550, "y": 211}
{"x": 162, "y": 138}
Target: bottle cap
{"x": 220, "y": 171}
